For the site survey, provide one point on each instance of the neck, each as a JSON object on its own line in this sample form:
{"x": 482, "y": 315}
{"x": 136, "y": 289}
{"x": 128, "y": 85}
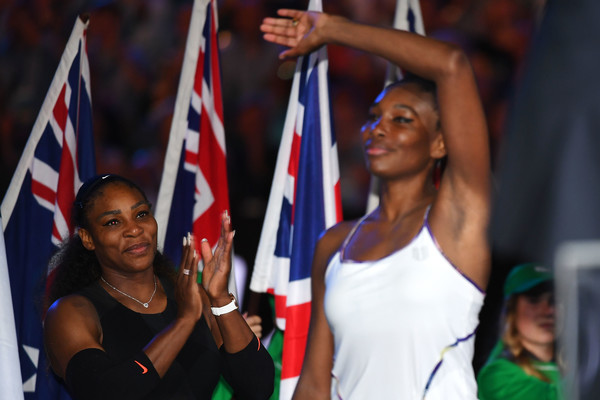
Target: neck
{"x": 544, "y": 352}
{"x": 398, "y": 198}
{"x": 139, "y": 284}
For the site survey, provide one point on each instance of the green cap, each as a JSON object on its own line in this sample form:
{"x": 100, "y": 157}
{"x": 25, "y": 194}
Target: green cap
{"x": 524, "y": 277}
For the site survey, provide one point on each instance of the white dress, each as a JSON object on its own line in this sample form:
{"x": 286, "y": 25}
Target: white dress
{"x": 403, "y": 326}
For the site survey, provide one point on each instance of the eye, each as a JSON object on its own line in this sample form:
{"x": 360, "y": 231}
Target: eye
{"x": 111, "y": 222}
{"x": 372, "y": 117}
{"x": 532, "y": 299}
{"x": 403, "y": 120}
{"x": 143, "y": 214}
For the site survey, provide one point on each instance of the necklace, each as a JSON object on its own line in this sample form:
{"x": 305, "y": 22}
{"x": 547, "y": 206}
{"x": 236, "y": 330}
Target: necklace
{"x": 131, "y": 297}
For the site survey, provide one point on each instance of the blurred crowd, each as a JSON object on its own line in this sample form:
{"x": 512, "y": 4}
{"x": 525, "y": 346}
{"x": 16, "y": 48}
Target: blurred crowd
{"x": 135, "y": 49}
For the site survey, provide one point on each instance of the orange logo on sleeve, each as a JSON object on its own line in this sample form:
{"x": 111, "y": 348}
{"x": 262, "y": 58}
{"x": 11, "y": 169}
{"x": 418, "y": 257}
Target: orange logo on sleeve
{"x": 144, "y": 369}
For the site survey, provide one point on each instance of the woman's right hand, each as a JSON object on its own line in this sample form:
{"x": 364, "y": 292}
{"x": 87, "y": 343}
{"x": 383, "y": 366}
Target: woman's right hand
{"x": 187, "y": 291}
{"x": 299, "y": 30}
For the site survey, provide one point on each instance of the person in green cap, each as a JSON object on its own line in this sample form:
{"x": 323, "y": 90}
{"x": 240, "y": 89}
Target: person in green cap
{"x": 522, "y": 365}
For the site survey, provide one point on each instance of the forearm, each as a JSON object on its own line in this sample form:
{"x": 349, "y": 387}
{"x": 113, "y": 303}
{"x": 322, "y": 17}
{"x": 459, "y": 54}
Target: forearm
{"x": 92, "y": 375}
{"x": 235, "y": 332}
{"x": 429, "y": 58}
{"x": 461, "y": 113}
{"x": 250, "y": 371}
{"x": 165, "y": 346}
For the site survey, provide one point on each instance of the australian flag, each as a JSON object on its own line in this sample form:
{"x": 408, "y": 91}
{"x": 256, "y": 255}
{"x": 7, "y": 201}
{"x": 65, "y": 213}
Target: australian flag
{"x": 36, "y": 210}
{"x": 193, "y": 191}
{"x": 304, "y": 201}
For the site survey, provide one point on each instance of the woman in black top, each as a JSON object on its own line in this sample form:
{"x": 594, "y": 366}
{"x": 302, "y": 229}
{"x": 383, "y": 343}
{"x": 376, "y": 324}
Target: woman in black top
{"x": 123, "y": 324}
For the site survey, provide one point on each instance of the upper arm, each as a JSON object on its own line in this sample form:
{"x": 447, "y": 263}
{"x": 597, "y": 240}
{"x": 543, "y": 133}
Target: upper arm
{"x": 460, "y": 214}
{"x": 315, "y": 379}
{"x": 71, "y": 325}
{"x": 464, "y": 127}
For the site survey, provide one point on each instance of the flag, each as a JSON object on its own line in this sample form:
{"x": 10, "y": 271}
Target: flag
{"x": 304, "y": 201}
{"x": 193, "y": 190}
{"x": 10, "y": 375}
{"x": 408, "y": 17}
{"x": 36, "y": 210}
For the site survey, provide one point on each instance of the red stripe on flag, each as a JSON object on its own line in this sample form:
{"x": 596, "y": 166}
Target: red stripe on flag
{"x": 213, "y": 165}
{"x": 60, "y": 110}
{"x": 199, "y": 74}
{"x": 280, "y": 305}
{"x": 65, "y": 192}
{"x": 293, "y": 169}
{"x": 338, "y": 201}
{"x": 294, "y": 339}
{"x": 215, "y": 69}
{"x": 294, "y": 156}
{"x": 191, "y": 157}
{"x": 43, "y": 191}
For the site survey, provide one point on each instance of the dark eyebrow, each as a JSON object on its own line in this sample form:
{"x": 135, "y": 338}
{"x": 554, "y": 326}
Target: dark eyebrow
{"x": 139, "y": 203}
{"x": 401, "y": 106}
{"x": 112, "y": 212}
{"x": 116, "y": 212}
{"x": 404, "y": 106}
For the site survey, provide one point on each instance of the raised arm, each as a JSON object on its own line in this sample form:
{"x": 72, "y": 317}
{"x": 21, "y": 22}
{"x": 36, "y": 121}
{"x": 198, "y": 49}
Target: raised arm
{"x": 460, "y": 212}
{"x": 461, "y": 113}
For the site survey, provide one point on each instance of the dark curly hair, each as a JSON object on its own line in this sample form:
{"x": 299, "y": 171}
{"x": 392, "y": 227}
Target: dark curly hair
{"x": 77, "y": 267}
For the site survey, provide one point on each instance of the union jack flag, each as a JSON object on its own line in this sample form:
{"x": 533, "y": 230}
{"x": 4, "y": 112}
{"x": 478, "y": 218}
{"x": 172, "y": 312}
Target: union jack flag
{"x": 193, "y": 191}
{"x": 36, "y": 210}
{"x": 304, "y": 201}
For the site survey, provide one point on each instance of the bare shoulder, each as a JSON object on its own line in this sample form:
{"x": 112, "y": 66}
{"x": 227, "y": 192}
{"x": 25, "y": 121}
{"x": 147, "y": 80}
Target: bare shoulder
{"x": 71, "y": 307}
{"x": 329, "y": 242}
{"x": 71, "y": 325}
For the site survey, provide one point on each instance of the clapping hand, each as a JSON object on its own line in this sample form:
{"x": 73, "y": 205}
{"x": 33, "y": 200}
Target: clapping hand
{"x": 187, "y": 292}
{"x": 217, "y": 265}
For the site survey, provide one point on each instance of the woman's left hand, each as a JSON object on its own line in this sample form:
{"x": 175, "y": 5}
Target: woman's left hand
{"x": 217, "y": 266}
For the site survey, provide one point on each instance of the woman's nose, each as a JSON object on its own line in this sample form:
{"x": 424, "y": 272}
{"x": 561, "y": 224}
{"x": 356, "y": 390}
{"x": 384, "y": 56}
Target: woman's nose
{"x": 376, "y": 128}
{"x": 133, "y": 229}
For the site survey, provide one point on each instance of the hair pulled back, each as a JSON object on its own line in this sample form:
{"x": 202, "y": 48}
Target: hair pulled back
{"x": 77, "y": 267}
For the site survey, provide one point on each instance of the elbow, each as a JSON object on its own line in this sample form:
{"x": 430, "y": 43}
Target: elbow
{"x": 456, "y": 63}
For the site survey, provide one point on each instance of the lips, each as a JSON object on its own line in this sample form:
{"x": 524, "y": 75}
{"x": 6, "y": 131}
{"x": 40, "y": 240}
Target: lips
{"x": 547, "y": 325}
{"x": 376, "y": 149}
{"x": 138, "y": 248}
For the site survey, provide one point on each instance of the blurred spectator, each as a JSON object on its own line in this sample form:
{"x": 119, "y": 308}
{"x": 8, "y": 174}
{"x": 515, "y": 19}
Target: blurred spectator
{"x": 523, "y": 366}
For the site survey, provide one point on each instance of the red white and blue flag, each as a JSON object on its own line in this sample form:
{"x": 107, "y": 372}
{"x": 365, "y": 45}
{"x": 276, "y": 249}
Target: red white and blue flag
{"x": 304, "y": 201}
{"x": 408, "y": 17}
{"x": 36, "y": 210}
{"x": 193, "y": 191}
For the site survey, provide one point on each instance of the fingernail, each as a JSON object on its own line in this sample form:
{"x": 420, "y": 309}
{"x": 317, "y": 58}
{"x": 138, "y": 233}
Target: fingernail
{"x": 205, "y": 240}
{"x": 232, "y": 234}
{"x": 194, "y": 253}
{"x": 189, "y": 238}
{"x": 184, "y": 241}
